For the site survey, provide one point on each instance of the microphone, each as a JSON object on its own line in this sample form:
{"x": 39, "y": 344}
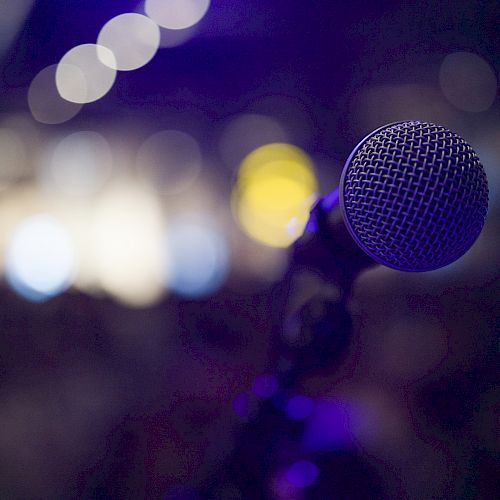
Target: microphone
{"x": 413, "y": 196}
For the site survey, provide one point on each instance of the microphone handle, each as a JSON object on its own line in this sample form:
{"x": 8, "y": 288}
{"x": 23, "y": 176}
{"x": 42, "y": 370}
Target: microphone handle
{"x": 312, "y": 333}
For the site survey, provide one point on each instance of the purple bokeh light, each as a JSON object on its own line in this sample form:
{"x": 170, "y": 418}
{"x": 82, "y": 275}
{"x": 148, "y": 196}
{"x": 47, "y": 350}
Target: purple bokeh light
{"x": 328, "y": 427}
{"x": 302, "y": 473}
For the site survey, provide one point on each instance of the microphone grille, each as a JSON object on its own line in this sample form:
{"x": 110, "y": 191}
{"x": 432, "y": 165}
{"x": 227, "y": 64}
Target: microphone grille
{"x": 414, "y": 196}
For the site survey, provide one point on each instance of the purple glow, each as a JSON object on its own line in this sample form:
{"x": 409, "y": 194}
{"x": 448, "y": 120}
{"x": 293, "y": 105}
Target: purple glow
{"x": 299, "y": 407}
{"x": 328, "y": 427}
{"x": 265, "y": 385}
{"x": 302, "y": 473}
{"x": 241, "y": 405}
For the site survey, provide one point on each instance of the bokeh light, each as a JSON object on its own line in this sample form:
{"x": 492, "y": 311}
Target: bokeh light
{"x": 247, "y": 132}
{"x": 133, "y": 39}
{"x": 468, "y": 81}
{"x": 328, "y": 427}
{"x": 40, "y": 260}
{"x": 176, "y": 14}
{"x": 169, "y": 161}
{"x": 275, "y": 190}
{"x": 45, "y": 101}
{"x": 198, "y": 257}
{"x": 302, "y": 473}
{"x": 128, "y": 244}
{"x": 82, "y": 76}
{"x": 12, "y": 156}
{"x": 80, "y": 163}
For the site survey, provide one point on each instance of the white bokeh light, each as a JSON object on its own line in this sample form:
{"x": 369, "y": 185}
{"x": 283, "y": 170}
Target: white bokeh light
{"x": 170, "y": 161}
{"x": 133, "y": 39}
{"x": 40, "y": 261}
{"x": 45, "y": 102}
{"x": 468, "y": 81}
{"x": 82, "y": 76}
{"x": 128, "y": 246}
{"x": 80, "y": 163}
{"x": 198, "y": 257}
{"x": 176, "y": 14}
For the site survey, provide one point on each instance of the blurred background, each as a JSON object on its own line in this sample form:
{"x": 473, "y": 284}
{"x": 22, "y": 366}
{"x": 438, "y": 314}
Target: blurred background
{"x": 157, "y": 159}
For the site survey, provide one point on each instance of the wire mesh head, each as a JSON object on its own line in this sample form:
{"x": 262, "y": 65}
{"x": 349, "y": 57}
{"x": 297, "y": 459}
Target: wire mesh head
{"x": 414, "y": 196}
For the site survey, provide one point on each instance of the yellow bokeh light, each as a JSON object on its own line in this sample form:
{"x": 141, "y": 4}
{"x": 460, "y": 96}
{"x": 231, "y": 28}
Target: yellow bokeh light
{"x": 274, "y": 193}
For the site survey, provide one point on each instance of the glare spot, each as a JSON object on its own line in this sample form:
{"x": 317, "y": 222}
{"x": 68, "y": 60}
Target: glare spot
{"x": 302, "y": 473}
{"x": 81, "y": 163}
{"x": 127, "y": 245}
{"x": 86, "y": 73}
{"x": 12, "y": 157}
{"x": 176, "y": 14}
{"x": 198, "y": 257}
{"x": 40, "y": 258}
{"x": 45, "y": 102}
{"x": 275, "y": 190}
{"x": 468, "y": 81}
{"x": 170, "y": 161}
{"x": 246, "y": 133}
{"x": 133, "y": 39}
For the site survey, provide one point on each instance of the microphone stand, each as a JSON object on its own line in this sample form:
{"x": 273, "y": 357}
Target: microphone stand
{"x": 311, "y": 335}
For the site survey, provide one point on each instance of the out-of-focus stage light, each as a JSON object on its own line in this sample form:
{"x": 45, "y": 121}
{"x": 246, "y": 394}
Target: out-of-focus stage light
{"x": 80, "y": 163}
{"x": 12, "y": 156}
{"x": 176, "y": 14}
{"x": 468, "y": 81}
{"x": 170, "y": 161}
{"x": 247, "y": 132}
{"x": 128, "y": 245}
{"x": 82, "y": 76}
{"x": 274, "y": 193}
{"x": 40, "y": 261}
{"x": 198, "y": 257}
{"x": 45, "y": 102}
{"x": 302, "y": 473}
{"x": 133, "y": 39}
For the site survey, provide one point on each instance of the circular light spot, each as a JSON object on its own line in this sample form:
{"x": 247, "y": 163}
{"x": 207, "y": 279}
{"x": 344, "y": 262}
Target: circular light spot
{"x": 133, "y": 39}
{"x": 127, "y": 245}
{"x": 176, "y": 14}
{"x": 86, "y": 73}
{"x": 40, "y": 258}
{"x": 246, "y": 133}
{"x": 12, "y": 157}
{"x": 198, "y": 258}
{"x": 45, "y": 102}
{"x": 170, "y": 161}
{"x": 468, "y": 81}
{"x": 81, "y": 163}
{"x": 302, "y": 473}
{"x": 275, "y": 190}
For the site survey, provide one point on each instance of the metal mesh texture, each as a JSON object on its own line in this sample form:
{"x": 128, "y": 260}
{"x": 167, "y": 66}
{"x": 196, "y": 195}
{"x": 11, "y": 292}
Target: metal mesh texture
{"x": 415, "y": 196}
